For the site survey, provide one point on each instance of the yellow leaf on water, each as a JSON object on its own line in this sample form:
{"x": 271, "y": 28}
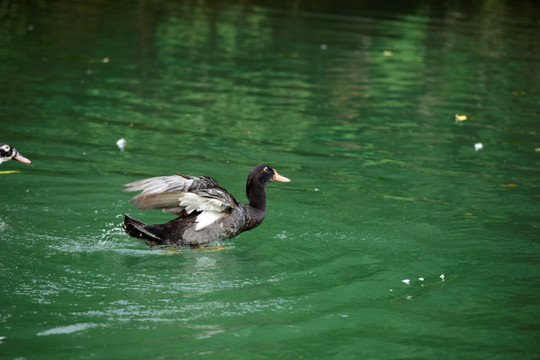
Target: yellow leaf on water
{"x": 171, "y": 252}
{"x": 461, "y": 117}
{"x": 213, "y": 248}
{"x": 508, "y": 185}
{"x": 9, "y": 172}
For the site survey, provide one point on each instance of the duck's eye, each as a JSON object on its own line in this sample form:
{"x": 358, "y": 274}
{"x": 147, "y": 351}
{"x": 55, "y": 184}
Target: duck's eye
{"x": 265, "y": 169}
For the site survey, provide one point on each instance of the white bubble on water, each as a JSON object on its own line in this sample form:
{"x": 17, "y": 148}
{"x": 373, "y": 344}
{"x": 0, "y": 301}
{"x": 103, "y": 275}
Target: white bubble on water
{"x": 121, "y": 143}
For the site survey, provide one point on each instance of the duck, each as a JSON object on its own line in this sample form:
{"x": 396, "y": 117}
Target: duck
{"x": 8, "y": 152}
{"x": 205, "y": 211}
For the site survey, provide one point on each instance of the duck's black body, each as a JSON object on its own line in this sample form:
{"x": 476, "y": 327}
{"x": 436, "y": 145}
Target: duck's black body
{"x": 206, "y": 211}
{"x": 8, "y": 152}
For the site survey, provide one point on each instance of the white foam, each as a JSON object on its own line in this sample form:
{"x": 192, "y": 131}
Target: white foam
{"x": 69, "y": 329}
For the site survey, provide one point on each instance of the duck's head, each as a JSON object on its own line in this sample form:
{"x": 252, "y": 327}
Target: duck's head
{"x": 257, "y": 180}
{"x": 263, "y": 174}
{"x": 8, "y": 152}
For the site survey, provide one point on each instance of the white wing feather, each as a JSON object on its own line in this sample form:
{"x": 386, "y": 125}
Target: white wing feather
{"x": 207, "y": 218}
{"x": 211, "y": 209}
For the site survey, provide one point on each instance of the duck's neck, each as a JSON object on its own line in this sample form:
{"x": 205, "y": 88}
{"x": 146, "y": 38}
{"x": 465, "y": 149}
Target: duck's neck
{"x": 256, "y": 194}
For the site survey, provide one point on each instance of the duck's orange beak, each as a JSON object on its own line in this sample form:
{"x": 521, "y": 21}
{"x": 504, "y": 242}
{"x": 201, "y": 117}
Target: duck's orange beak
{"x": 20, "y": 158}
{"x": 278, "y": 177}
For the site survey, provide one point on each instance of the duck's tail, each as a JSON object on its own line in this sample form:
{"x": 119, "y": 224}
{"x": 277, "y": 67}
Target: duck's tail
{"x": 146, "y": 233}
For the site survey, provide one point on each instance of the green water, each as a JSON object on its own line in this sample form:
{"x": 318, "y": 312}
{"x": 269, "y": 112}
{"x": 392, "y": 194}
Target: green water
{"x": 354, "y": 103}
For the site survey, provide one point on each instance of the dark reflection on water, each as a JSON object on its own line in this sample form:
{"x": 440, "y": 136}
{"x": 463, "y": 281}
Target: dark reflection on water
{"x": 395, "y": 237}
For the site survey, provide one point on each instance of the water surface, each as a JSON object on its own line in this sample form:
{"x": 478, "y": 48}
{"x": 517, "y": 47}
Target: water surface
{"x": 395, "y": 238}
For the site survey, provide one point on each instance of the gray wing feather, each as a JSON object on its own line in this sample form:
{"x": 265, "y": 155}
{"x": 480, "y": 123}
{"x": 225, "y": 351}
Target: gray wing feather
{"x": 171, "y": 183}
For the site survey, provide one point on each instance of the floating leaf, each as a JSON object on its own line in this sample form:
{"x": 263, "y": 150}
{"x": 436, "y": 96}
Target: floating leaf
{"x": 213, "y": 248}
{"x": 171, "y": 251}
{"x": 508, "y": 185}
{"x": 461, "y": 117}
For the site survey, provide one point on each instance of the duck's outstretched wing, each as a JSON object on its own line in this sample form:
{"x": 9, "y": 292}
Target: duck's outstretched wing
{"x": 177, "y": 182}
{"x": 183, "y": 194}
